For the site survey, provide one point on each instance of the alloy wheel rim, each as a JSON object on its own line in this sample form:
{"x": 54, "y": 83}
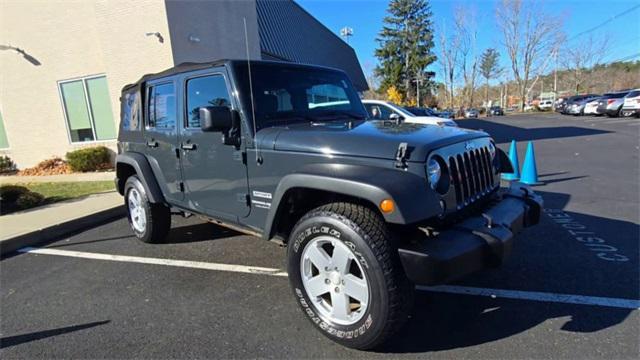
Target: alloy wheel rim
{"x": 334, "y": 280}
{"x": 136, "y": 211}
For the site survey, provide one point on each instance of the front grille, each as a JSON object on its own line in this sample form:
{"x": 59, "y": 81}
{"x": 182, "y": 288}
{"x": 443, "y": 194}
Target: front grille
{"x": 471, "y": 175}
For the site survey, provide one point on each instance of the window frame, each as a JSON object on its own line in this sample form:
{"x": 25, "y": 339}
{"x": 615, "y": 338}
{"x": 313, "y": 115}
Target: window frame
{"x": 6, "y": 135}
{"x": 147, "y": 101}
{"x": 185, "y": 92}
{"x": 84, "y": 80}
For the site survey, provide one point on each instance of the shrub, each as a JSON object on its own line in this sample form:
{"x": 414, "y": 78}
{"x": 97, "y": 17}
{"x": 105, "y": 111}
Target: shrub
{"x": 6, "y": 164}
{"x": 11, "y": 193}
{"x": 29, "y": 200}
{"x": 89, "y": 159}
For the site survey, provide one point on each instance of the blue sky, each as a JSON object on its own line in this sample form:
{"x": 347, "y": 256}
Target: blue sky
{"x": 365, "y": 17}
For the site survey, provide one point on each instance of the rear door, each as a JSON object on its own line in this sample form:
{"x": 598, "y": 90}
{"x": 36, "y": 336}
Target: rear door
{"x": 161, "y": 137}
{"x": 215, "y": 174}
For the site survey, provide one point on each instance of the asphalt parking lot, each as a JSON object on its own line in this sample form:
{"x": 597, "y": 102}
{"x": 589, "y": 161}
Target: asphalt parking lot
{"x": 569, "y": 290}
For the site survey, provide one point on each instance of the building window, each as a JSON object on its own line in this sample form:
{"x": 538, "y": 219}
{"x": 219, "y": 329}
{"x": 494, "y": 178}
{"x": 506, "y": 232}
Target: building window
{"x": 87, "y": 108}
{"x": 162, "y": 107}
{"x": 4, "y": 143}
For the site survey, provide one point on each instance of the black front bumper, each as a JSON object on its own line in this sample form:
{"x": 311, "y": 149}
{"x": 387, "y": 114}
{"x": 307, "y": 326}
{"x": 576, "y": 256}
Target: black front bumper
{"x": 478, "y": 242}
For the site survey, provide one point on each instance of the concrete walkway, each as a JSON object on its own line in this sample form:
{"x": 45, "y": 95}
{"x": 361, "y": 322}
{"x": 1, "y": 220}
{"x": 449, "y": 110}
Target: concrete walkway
{"x": 92, "y": 176}
{"x": 29, "y": 227}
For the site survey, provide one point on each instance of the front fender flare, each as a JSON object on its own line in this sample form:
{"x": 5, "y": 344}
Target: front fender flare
{"x": 411, "y": 194}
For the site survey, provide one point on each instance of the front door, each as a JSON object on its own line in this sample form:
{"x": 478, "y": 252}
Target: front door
{"x": 161, "y": 138}
{"x": 214, "y": 174}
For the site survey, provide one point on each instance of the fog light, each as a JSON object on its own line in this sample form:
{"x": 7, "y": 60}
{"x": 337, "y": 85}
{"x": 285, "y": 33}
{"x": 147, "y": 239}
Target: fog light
{"x": 387, "y": 206}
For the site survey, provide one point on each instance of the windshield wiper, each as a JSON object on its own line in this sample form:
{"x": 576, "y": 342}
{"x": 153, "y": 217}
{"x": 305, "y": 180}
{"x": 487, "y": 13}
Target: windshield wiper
{"x": 348, "y": 114}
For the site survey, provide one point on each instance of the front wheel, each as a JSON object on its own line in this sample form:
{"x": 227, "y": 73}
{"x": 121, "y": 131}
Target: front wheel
{"x": 149, "y": 222}
{"x": 346, "y": 275}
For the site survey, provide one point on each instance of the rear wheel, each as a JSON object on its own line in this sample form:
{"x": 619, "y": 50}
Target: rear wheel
{"x": 346, "y": 275}
{"x": 149, "y": 222}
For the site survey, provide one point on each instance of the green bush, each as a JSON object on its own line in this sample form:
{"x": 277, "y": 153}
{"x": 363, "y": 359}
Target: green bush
{"x": 6, "y": 164}
{"x": 29, "y": 200}
{"x": 89, "y": 159}
{"x": 11, "y": 193}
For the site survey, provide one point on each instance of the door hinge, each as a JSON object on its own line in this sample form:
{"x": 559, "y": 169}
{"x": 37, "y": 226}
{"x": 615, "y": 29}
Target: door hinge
{"x": 240, "y": 156}
{"x": 181, "y": 187}
{"x": 244, "y": 198}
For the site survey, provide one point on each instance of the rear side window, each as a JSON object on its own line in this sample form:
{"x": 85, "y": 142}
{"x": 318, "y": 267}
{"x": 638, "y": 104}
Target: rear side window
{"x": 205, "y": 91}
{"x": 162, "y": 107}
{"x": 617, "y": 96}
{"x": 131, "y": 111}
{"x": 634, "y": 93}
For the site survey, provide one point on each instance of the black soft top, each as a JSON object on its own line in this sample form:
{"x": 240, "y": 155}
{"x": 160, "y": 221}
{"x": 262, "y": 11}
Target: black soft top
{"x": 191, "y": 66}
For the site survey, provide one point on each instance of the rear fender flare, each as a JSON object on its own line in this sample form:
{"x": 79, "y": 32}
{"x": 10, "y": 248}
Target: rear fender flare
{"x": 141, "y": 165}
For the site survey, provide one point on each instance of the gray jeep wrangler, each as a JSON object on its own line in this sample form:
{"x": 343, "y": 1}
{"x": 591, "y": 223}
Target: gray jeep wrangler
{"x": 285, "y": 152}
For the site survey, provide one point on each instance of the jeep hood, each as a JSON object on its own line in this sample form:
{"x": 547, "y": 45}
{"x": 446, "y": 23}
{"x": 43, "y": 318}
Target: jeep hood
{"x": 373, "y": 139}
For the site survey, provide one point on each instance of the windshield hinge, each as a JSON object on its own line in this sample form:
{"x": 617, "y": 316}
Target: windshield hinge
{"x": 401, "y": 156}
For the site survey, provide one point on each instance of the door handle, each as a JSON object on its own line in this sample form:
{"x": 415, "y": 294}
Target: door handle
{"x": 152, "y": 143}
{"x": 188, "y": 146}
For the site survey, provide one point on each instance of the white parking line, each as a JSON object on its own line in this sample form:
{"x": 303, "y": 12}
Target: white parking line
{"x": 157, "y": 261}
{"x": 462, "y": 290}
{"x": 622, "y": 121}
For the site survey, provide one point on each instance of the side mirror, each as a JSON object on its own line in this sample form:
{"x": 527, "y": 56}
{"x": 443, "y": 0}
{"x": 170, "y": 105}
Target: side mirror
{"x": 215, "y": 118}
{"x": 395, "y": 117}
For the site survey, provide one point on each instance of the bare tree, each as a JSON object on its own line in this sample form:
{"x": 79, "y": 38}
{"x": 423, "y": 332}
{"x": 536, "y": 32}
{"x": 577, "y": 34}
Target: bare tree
{"x": 529, "y": 36}
{"x": 584, "y": 55}
{"x": 467, "y": 33}
{"x": 448, "y": 58}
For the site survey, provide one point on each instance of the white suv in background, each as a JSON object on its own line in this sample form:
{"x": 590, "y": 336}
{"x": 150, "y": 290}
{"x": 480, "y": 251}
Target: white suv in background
{"x": 385, "y": 110}
{"x": 545, "y": 104}
{"x": 631, "y": 105}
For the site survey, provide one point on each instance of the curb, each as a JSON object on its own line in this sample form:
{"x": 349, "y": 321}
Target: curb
{"x": 49, "y": 233}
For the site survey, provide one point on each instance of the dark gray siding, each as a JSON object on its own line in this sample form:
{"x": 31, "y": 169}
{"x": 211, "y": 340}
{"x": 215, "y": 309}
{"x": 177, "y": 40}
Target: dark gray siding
{"x": 218, "y": 25}
{"x": 288, "y": 32}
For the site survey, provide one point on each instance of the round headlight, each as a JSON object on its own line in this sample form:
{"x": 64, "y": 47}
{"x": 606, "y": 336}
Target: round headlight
{"x": 433, "y": 172}
{"x": 492, "y": 150}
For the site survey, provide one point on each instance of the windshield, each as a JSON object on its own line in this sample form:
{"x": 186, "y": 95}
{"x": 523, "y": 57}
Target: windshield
{"x": 286, "y": 94}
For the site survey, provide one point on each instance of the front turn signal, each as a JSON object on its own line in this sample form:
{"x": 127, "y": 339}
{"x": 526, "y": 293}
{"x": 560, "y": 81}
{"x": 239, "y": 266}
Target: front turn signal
{"x": 387, "y": 206}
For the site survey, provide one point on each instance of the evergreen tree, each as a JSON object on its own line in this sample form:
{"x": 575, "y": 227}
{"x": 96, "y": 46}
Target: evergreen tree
{"x": 489, "y": 68}
{"x": 405, "y": 48}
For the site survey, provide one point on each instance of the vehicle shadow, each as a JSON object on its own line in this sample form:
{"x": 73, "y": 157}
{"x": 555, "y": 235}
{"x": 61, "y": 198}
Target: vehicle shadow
{"x": 198, "y": 232}
{"x": 503, "y": 133}
{"x": 9, "y": 341}
{"x": 546, "y": 258}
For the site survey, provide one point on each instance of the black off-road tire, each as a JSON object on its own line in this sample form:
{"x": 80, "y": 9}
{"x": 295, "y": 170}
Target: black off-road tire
{"x": 364, "y": 231}
{"x": 158, "y": 216}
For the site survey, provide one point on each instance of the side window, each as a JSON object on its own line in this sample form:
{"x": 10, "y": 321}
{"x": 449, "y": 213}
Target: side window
{"x": 131, "y": 111}
{"x": 162, "y": 107}
{"x": 205, "y": 91}
{"x": 378, "y": 112}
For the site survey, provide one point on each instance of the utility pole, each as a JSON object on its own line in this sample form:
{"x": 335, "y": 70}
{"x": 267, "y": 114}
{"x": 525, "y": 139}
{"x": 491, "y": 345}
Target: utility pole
{"x": 555, "y": 76}
{"x": 418, "y": 80}
{"x": 346, "y": 32}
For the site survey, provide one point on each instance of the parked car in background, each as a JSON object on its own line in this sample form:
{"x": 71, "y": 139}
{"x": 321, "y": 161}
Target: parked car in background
{"x": 471, "y": 113}
{"x": 576, "y": 107}
{"x": 591, "y": 107}
{"x": 496, "y": 110}
{"x": 418, "y": 111}
{"x": 545, "y": 105}
{"x": 447, "y": 114}
{"x": 631, "y": 104}
{"x": 611, "y": 103}
{"x": 385, "y": 110}
{"x": 559, "y": 104}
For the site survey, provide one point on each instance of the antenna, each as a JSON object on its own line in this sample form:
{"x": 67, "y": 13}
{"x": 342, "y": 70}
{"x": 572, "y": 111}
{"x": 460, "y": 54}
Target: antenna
{"x": 253, "y": 108}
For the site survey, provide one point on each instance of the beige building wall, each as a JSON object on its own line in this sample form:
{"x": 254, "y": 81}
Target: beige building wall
{"x": 71, "y": 39}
